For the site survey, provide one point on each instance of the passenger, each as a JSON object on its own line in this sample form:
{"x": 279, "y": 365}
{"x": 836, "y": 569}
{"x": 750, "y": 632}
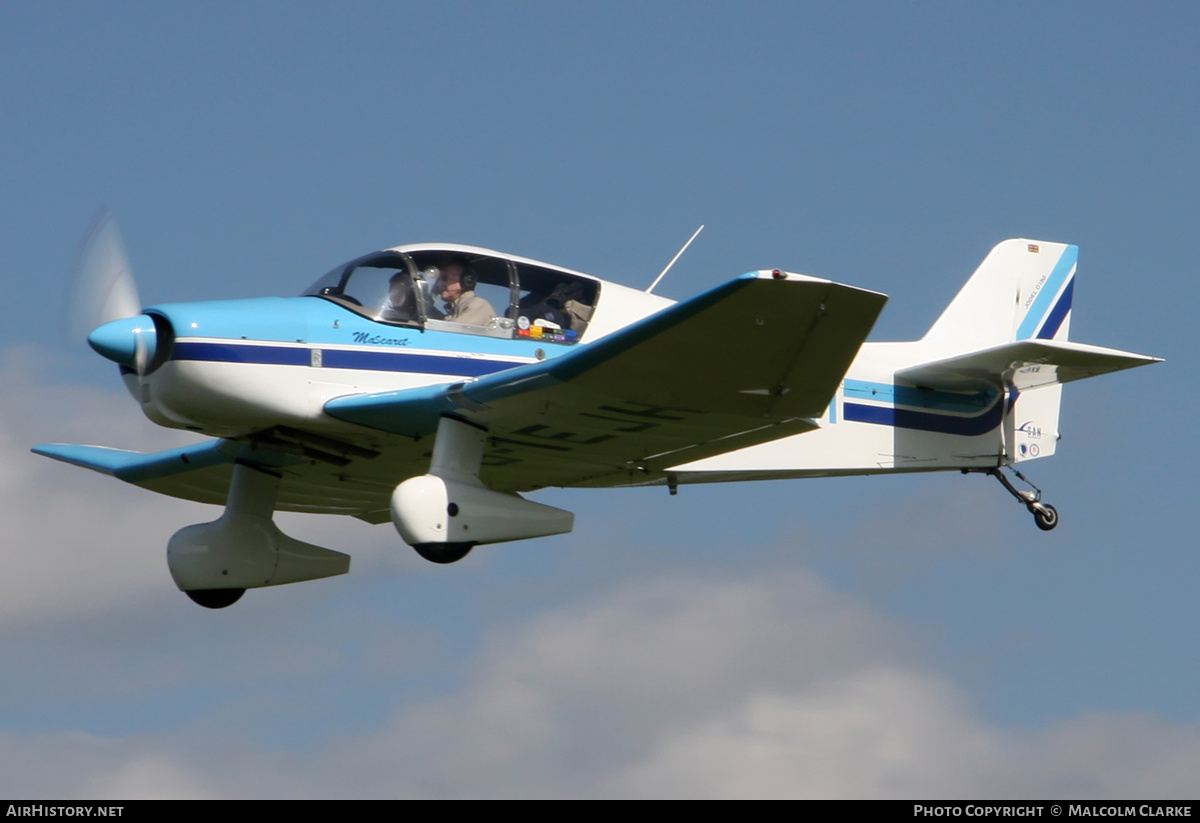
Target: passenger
{"x": 456, "y": 283}
{"x": 401, "y": 303}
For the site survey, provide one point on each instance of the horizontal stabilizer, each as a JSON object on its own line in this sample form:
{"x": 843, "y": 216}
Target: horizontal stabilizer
{"x": 1023, "y": 365}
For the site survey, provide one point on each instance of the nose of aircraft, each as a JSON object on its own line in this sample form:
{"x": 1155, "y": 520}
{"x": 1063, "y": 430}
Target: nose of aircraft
{"x": 127, "y": 341}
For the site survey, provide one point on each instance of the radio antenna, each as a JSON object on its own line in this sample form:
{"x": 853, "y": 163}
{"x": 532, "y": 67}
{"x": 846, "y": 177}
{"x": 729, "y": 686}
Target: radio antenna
{"x": 673, "y": 259}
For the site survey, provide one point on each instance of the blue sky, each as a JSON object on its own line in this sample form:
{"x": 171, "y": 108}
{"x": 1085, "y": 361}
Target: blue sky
{"x": 858, "y": 637}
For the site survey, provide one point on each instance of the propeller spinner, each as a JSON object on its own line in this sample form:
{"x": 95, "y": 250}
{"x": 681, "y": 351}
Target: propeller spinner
{"x": 103, "y": 302}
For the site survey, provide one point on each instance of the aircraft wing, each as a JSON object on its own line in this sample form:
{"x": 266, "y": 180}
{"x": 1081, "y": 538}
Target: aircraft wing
{"x": 202, "y": 472}
{"x": 748, "y": 362}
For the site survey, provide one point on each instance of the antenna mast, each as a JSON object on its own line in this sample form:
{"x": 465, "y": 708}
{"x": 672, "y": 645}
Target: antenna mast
{"x": 673, "y": 259}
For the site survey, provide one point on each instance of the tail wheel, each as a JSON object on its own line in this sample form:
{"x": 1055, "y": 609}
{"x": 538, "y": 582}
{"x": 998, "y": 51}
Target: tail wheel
{"x": 1046, "y": 516}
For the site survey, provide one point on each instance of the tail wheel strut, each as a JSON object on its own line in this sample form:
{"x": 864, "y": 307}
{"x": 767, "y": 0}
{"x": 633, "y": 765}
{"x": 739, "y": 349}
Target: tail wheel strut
{"x": 1044, "y": 515}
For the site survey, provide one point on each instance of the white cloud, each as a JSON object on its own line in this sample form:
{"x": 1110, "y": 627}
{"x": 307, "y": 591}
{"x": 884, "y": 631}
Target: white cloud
{"x": 75, "y": 541}
{"x": 749, "y": 688}
{"x": 76, "y": 765}
{"x": 881, "y": 732}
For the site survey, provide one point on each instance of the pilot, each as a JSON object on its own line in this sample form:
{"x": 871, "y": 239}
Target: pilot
{"x": 457, "y": 286}
{"x": 401, "y": 303}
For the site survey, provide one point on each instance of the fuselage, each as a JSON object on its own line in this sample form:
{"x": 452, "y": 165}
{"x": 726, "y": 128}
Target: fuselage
{"x": 231, "y": 368}
{"x": 381, "y": 323}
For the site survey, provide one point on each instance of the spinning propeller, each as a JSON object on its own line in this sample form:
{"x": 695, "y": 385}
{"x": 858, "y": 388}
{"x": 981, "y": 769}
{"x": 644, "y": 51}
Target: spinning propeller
{"x": 103, "y": 301}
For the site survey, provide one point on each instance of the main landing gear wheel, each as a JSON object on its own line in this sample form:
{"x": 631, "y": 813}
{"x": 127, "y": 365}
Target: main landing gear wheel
{"x": 215, "y": 598}
{"x": 1045, "y": 515}
{"x": 444, "y": 552}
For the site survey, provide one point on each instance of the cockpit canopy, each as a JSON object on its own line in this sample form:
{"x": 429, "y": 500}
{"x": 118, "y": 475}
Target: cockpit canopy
{"x": 472, "y": 292}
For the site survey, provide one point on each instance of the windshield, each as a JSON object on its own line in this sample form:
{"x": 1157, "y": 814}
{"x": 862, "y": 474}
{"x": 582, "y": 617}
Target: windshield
{"x": 463, "y": 292}
{"x": 467, "y": 290}
{"x": 380, "y": 286}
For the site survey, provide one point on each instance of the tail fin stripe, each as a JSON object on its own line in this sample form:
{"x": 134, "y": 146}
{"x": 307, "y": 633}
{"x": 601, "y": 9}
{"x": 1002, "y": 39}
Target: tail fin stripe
{"x": 1058, "y": 313}
{"x": 1045, "y": 297}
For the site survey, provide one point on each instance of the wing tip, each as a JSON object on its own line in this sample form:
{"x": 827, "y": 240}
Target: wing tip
{"x": 97, "y": 458}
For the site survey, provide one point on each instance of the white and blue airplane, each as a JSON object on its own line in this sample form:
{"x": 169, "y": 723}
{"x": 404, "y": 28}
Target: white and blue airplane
{"x": 431, "y": 385}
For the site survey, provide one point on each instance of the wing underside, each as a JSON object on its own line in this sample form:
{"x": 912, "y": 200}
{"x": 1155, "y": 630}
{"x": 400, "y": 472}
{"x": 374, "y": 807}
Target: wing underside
{"x": 202, "y": 473}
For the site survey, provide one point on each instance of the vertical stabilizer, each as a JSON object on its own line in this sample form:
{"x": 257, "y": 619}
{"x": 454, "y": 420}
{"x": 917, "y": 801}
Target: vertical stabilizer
{"x": 1021, "y": 290}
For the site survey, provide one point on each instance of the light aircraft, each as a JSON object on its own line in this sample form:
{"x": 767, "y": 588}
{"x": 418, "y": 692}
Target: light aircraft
{"x": 377, "y": 395}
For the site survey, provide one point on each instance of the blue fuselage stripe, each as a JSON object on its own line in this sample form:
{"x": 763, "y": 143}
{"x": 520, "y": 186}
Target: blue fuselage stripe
{"x": 225, "y": 353}
{"x": 340, "y": 359}
{"x": 924, "y": 421}
{"x": 935, "y": 411}
{"x": 913, "y": 396}
{"x": 405, "y": 362}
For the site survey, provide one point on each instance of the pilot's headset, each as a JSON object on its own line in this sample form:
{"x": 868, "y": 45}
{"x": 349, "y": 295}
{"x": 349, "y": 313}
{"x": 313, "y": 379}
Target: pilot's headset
{"x": 468, "y": 278}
